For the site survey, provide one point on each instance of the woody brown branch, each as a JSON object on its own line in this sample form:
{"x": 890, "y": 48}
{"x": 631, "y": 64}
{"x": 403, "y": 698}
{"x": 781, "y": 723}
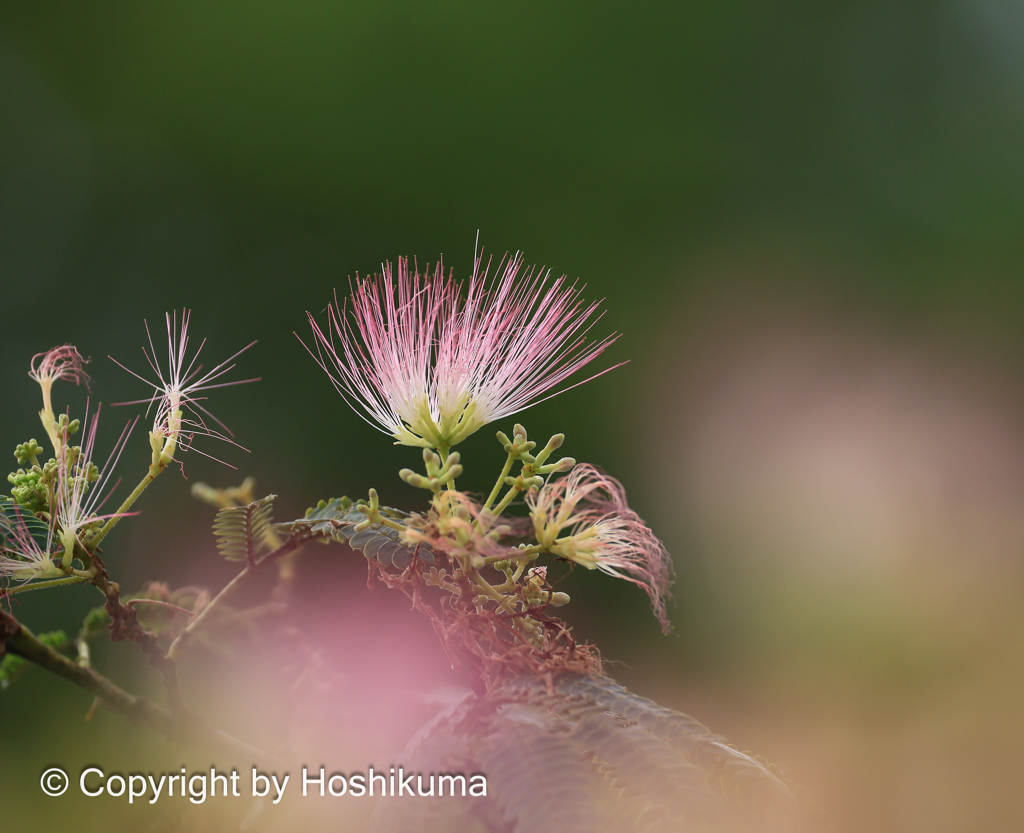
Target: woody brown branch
{"x": 186, "y": 727}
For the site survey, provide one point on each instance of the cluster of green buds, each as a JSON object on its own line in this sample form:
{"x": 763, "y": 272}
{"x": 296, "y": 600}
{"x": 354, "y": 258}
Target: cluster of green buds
{"x": 534, "y": 466}
{"x": 439, "y": 473}
{"x": 581, "y": 519}
{"x": 473, "y": 536}
{"x": 31, "y": 487}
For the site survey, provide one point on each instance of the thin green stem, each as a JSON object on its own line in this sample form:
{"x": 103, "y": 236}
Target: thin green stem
{"x": 390, "y": 523}
{"x": 161, "y": 460}
{"x": 154, "y": 472}
{"x": 501, "y": 507}
{"x": 168, "y": 605}
{"x": 249, "y": 613}
{"x": 42, "y": 585}
{"x": 493, "y": 496}
{"x": 518, "y": 622}
{"x": 489, "y": 591}
{"x": 505, "y": 501}
{"x": 442, "y": 452}
{"x": 174, "y": 652}
{"x": 529, "y": 553}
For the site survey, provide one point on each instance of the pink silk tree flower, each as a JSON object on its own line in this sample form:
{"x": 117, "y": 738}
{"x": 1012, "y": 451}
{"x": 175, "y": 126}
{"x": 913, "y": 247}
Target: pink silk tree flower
{"x": 432, "y": 366}
{"x": 603, "y": 532}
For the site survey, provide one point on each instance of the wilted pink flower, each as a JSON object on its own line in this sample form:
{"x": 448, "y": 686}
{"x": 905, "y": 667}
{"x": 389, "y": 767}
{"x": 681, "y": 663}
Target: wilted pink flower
{"x": 22, "y": 556}
{"x": 81, "y": 488}
{"x": 64, "y": 362}
{"x": 603, "y": 532}
{"x": 432, "y": 366}
{"x": 179, "y": 414}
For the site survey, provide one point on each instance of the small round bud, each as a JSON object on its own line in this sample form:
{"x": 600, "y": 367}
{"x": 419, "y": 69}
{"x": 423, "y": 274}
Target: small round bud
{"x": 558, "y": 599}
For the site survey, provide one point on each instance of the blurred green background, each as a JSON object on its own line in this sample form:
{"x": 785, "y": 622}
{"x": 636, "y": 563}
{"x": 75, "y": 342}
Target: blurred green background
{"x": 806, "y": 220}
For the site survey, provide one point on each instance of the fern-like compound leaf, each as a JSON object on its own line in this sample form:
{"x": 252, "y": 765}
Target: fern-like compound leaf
{"x": 585, "y": 754}
{"x": 337, "y": 519}
{"x": 242, "y": 531}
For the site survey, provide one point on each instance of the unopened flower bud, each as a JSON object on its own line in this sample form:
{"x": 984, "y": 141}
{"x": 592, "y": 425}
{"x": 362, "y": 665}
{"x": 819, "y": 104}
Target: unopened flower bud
{"x": 558, "y": 599}
{"x": 432, "y": 461}
{"x": 413, "y": 479}
{"x": 26, "y": 453}
{"x": 554, "y": 443}
{"x": 565, "y": 464}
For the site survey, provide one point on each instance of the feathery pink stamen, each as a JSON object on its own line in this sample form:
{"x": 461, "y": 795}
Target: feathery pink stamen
{"x": 431, "y": 366}
{"x": 76, "y": 501}
{"x": 603, "y": 532}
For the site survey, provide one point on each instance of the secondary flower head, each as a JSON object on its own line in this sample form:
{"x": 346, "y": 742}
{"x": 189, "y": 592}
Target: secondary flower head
{"x": 603, "y": 532}
{"x": 26, "y": 545}
{"x": 432, "y": 365}
{"x": 81, "y": 487}
{"x": 177, "y": 392}
{"x": 63, "y": 362}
